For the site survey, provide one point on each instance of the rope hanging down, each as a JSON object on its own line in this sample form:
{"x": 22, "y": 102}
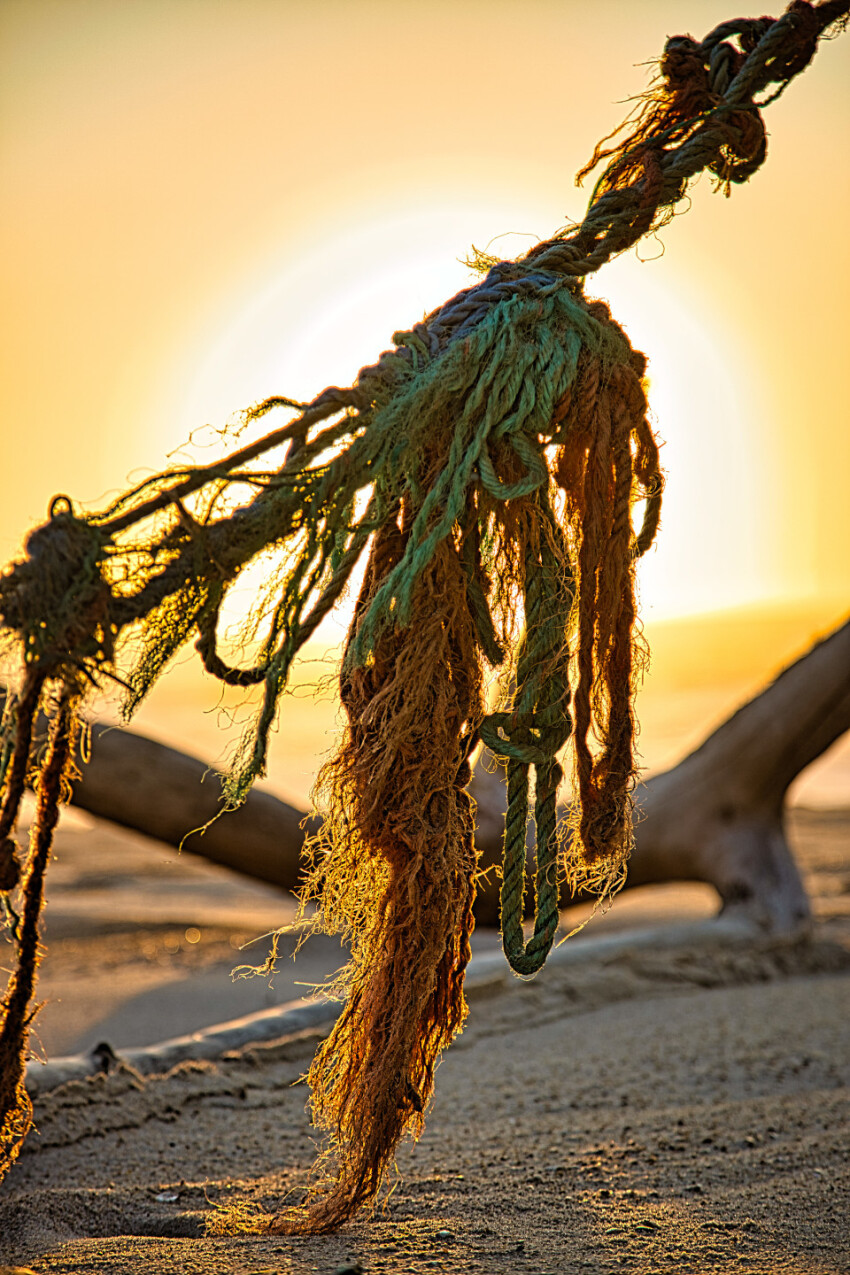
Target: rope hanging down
{"x": 487, "y": 465}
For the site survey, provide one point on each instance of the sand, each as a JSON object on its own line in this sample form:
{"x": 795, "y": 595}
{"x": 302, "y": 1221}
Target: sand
{"x": 653, "y": 1109}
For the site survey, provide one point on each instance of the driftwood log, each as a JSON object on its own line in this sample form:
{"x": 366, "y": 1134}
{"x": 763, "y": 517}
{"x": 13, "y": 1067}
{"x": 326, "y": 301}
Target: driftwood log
{"x": 717, "y": 817}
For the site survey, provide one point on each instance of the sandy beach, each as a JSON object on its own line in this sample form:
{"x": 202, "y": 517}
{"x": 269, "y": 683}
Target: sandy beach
{"x": 671, "y": 1107}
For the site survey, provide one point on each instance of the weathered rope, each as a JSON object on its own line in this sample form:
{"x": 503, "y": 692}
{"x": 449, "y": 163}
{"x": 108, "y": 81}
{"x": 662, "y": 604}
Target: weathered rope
{"x": 706, "y": 116}
{"x": 488, "y": 465}
{"x": 15, "y": 1011}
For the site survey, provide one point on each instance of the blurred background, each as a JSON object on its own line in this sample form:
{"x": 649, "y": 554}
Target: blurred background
{"x": 210, "y": 201}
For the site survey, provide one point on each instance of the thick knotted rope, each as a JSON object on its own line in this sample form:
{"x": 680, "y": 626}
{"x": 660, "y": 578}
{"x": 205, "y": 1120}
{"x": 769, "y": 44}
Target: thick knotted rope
{"x": 488, "y": 466}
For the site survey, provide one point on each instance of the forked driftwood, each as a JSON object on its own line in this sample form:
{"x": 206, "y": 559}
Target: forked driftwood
{"x": 716, "y": 817}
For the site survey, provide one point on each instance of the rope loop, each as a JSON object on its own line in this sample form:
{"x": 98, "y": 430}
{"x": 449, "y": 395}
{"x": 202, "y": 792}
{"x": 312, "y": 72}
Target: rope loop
{"x": 60, "y": 504}
{"x": 527, "y": 958}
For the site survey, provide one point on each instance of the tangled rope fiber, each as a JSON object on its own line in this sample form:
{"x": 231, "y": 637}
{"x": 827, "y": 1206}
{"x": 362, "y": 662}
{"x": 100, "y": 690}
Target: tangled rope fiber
{"x": 487, "y": 466}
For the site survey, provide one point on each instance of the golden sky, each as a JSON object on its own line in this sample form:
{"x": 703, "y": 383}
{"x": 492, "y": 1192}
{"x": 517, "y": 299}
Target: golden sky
{"x": 206, "y": 201}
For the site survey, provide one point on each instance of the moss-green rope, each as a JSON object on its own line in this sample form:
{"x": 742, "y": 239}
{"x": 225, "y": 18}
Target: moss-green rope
{"x": 530, "y": 735}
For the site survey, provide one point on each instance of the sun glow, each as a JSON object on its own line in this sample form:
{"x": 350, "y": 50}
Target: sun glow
{"x": 191, "y": 222}
{"x": 333, "y": 306}
{"x": 710, "y": 553}
{"x": 316, "y": 317}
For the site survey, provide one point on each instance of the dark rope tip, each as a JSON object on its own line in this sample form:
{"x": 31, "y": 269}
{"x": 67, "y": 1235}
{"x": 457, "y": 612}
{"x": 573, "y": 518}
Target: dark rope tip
{"x": 60, "y": 504}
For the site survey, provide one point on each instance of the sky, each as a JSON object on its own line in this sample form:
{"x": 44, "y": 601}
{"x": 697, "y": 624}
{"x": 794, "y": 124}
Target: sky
{"x": 208, "y": 201}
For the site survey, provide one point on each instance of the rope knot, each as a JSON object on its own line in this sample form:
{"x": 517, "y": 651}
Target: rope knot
{"x": 57, "y": 597}
{"x": 519, "y": 738}
{"x": 683, "y": 66}
{"x": 808, "y": 25}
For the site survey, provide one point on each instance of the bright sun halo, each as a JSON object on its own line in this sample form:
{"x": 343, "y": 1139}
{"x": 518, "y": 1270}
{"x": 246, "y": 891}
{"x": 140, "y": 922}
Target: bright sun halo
{"x": 331, "y": 306}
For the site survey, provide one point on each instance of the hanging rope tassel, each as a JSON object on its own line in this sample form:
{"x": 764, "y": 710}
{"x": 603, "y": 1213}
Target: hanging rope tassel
{"x": 395, "y": 868}
{"x": 395, "y": 873}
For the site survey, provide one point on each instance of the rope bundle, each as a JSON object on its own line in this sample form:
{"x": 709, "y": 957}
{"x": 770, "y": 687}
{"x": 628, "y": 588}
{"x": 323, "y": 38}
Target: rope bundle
{"x": 487, "y": 466}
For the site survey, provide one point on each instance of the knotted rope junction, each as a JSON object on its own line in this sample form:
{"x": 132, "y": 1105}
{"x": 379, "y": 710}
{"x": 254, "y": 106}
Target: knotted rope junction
{"x": 487, "y": 466}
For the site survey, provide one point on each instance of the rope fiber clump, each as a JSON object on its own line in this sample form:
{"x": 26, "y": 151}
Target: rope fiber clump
{"x": 487, "y": 467}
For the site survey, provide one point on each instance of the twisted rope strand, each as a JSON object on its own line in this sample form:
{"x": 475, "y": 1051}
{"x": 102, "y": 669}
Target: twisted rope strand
{"x": 15, "y": 1104}
{"x": 617, "y": 218}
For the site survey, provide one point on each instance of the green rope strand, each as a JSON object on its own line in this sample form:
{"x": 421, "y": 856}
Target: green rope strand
{"x": 527, "y": 958}
{"x": 530, "y": 736}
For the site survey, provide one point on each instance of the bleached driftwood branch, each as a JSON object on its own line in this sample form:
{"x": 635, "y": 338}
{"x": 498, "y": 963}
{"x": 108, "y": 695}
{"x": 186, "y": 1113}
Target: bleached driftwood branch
{"x": 716, "y": 817}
